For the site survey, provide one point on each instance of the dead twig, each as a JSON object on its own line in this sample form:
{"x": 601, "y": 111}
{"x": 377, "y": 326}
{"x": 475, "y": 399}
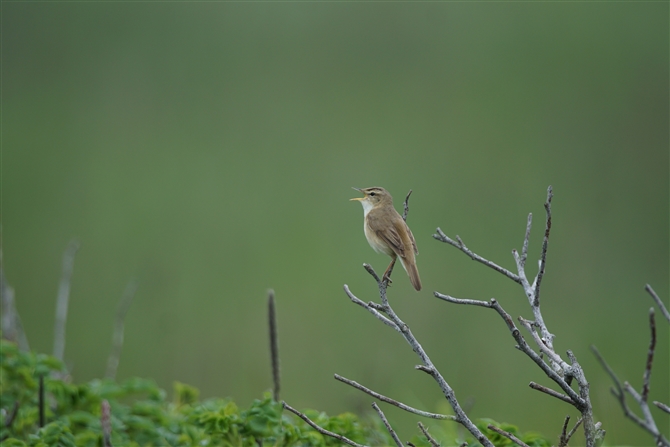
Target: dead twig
{"x": 430, "y": 439}
{"x": 106, "y": 423}
{"x": 508, "y": 435}
{"x": 63, "y": 298}
{"x": 381, "y": 414}
{"x": 551, "y": 392}
{"x": 565, "y": 437}
{"x": 560, "y": 371}
{"x": 119, "y": 325}
{"x": 323, "y": 431}
{"x": 647, "y": 421}
{"x": 392, "y": 401}
{"x": 659, "y": 303}
{"x": 274, "y": 345}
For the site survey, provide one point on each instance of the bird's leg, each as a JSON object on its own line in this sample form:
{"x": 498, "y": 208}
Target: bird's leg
{"x": 387, "y": 273}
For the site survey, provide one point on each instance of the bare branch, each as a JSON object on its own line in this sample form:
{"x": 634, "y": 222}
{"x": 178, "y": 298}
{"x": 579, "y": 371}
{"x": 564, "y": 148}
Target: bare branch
{"x": 618, "y": 390}
{"x": 427, "y": 366}
{"x": 370, "y": 308}
{"x": 524, "y": 249}
{"x": 650, "y": 356}
{"x": 41, "y": 402}
{"x": 274, "y": 345}
{"x": 662, "y": 406}
{"x": 387, "y": 424}
{"x": 560, "y": 371}
{"x": 406, "y": 206}
{"x": 119, "y": 324}
{"x": 551, "y": 392}
{"x": 440, "y": 236}
{"x": 545, "y": 242}
{"x": 63, "y": 298}
{"x": 659, "y": 303}
{"x": 522, "y": 345}
{"x": 106, "y": 423}
{"x": 565, "y": 437}
{"x": 323, "y": 431}
{"x": 508, "y": 435}
{"x": 10, "y": 322}
{"x": 372, "y": 272}
{"x": 647, "y": 421}
{"x": 451, "y": 299}
{"x": 430, "y": 439}
{"x": 392, "y": 401}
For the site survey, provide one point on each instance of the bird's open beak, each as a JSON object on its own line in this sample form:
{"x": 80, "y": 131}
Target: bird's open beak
{"x": 358, "y": 198}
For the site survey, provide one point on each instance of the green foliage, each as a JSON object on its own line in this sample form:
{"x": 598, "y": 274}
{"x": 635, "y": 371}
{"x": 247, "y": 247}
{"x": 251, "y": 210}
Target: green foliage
{"x": 141, "y": 415}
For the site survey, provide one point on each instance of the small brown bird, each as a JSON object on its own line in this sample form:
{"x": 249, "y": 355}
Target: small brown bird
{"x": 387, "y": 232}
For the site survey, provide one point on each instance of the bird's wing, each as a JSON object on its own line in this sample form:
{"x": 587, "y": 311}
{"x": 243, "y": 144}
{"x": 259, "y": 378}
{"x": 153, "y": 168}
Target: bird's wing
{"x": 411, "y": 238}
{"x": 389, "y": 234}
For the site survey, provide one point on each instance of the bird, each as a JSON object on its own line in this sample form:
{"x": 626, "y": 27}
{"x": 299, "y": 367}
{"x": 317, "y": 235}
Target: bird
{"x": 387, "y": 232}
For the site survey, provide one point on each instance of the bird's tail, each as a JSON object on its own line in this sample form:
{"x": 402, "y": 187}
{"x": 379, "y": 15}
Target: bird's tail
{"x": 410, "y": 267}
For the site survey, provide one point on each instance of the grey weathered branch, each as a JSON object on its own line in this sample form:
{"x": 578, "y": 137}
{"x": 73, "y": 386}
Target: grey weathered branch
{"x": 406, "y": 205}
{"x": 323, "y": 431}
{"x": 392, "y": 401}
{"x": 63, "y": 298}
{"x": 381, "y": 414}
{"x": 647, "y": 421}
{"x": 427, "y": 366}
{"x": 662, "y": 406}
{"x": 440, "y": 236}
{"x": 560, "y": 371}
{"x": 659, "y": 303}
{"x": 10, "y": 322}
{"x": 565, "y": 435}
{"x": 119, "y": 326}
{"x": 551, "y": 392}
{"x": 424, "y": 430}
{"x": 274, "y": 345}
{"x": 545, "y": 242}
{"x": 508, "y": 435}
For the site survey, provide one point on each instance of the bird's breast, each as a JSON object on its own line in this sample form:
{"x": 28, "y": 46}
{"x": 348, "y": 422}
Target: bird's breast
{"x": 377, "y": 244}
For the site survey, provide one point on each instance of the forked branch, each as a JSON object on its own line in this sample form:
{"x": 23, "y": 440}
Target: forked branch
{"x": 647, "y": 421}
{"x": 562, "y": 372}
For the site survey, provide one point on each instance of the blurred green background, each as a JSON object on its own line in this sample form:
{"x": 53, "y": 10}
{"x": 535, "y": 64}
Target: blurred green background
{"x": 209, "y": 150}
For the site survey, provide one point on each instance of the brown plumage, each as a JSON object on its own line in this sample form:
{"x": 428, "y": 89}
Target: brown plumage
{"x": 387, "y": 232}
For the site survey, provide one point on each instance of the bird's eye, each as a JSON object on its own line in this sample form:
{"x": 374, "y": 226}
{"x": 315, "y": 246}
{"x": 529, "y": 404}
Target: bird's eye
{"x": 372, "y": 193}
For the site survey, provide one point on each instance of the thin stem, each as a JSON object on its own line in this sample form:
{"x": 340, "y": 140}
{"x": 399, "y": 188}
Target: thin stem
{"x": 524, "y": 249}
{"x": 387, "y": 424}
{"x": 662, "y": 406}
{"x": 274, "y": 345}
{"x": 119, "y": 327}
{"x": 565, "y": 437}
{"x": 440, "y": 236}
{"x": 508, "y": 435}
{"x": 41, "y": 401}
{"x": 106, "y": 423}
{"x": 388, "y": 400}
{"x": 406, "y": 206}
{"x": 545, "y": 242}
{"x": 650, "y": 356}
{"x": 551, "y": 392}
{"x": 659, "y": 303}
{"x": 430, "y": 439}
{"x": 63, "y": 298}
{"x": 323, "y": 431}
